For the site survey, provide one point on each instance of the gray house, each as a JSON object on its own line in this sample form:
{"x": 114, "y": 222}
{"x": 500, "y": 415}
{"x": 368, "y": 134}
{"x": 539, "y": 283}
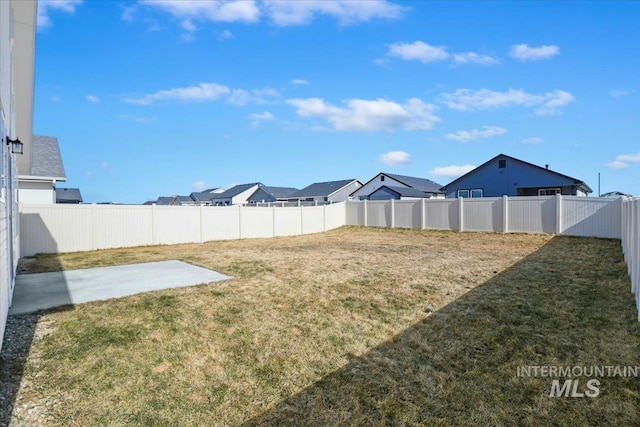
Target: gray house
{"x": 507, "y": 176}
{"x": 386, "y": 186}
{"x": 68, "y": 195}
{"x": 329, "y": 191}
{"x": 255, "y": 192}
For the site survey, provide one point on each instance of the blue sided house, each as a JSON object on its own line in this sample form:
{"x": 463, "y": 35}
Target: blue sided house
{"x": 507, "y": 176}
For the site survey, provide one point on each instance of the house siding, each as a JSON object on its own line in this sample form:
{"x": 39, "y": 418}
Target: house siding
{"x": 343, "y": 194}
{"x": 384, "y": 193}
{"x": 496, "y": 182}
{"x": 375, "y": 184}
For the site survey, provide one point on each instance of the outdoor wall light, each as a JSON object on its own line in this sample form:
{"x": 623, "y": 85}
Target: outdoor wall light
{"x": 16, "y": 145}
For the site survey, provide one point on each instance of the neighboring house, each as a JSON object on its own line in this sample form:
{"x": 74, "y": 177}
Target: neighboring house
{"x": 37, "y": 182}
{"x": 616, "y": 194}
{"x": 266, "y": 194}
{"x": 252, "y": 193}
{"x": 507, "y": 176}
{"x": 173, "y": 201}
{"x": 330, "y": 191}
{"x": 204, "y": 197}
{"x": 68, "y": 195}
{"x": 398, "y": 187}
{"x": 17, "y": 58}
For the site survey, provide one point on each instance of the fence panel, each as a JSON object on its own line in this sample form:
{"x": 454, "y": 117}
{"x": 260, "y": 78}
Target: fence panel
{"x": 595, "y": 217}
{"x": 175, "y": 224}
{"x": 378, "y": 214}
{"x": 335, "y": 215}
{"x": 55, "y": 228}
{"x": 407, "y": 213}
{"x": 484, "y": 214}
{"x": 442, "y": 214}
{"x": 312, "y": 219}
{"x": 256, "y": 222}
{"x": 355, "y": 213}
{"x": 121, "y": 226}
{"x": 287, "y": 222}
{"x": 531, "y": 215}
{"x": 220, "y": 223}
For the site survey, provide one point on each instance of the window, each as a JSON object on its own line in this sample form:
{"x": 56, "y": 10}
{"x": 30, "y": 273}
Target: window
{"x": 502, "y": 164}
{"x": 463, "y": 193}
{"x": 382, "y": 178}
{"x": 548, "y": 191}
{"x": 477, "y": 192}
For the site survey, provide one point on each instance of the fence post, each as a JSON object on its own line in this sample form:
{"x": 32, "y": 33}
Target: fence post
{"x": 558, "y": 214}
{"x": 240, "y": 221}
{"x": 93, "y": 227}
{"x": 365, "y": 212}
{"x": 301, "y": 220}
{"x": 423, "y": 213}
{"x": 505, "y": 214}
{"x": 153, "y": 224}
{"x": 324, "y": 218}
{"x": 393, "y": 214}
{"x": 201, "y": 226}
{"x": 460, "y": 214}
{"x": 273, "y": 212}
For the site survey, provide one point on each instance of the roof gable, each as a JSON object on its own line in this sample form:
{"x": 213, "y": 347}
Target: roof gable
{"x": 322, "y": 189}
{"x": 46, "y": 158}
{"x": 234, "y": 191}
{"x": 495, "y": 159}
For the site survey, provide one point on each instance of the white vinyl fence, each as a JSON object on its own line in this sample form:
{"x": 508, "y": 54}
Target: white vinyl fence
{"x": 568, "y": 215}
{"x": 70, "y": 228}
{"x": 631, "y": 243}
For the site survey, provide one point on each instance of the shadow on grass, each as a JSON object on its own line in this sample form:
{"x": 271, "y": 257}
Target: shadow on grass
{"x": 21, "y": 327}
{"x": 567, "y": 304}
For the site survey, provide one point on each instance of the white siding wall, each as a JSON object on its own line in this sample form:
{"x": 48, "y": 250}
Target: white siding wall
{"x": 37, "y": 197}
{"x": 343, "y": 194}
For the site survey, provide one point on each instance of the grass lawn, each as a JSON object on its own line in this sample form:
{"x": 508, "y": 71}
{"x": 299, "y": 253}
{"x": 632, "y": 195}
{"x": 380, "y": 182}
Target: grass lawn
{"x": 351, "y": 327}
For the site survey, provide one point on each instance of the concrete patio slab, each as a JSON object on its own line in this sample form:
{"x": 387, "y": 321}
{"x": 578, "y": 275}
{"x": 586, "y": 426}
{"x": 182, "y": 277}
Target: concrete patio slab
{"x": 41, "y": 291}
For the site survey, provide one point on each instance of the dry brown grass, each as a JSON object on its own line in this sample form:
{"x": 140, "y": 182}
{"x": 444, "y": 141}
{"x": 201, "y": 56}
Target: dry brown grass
{"x": 351, "y": 327}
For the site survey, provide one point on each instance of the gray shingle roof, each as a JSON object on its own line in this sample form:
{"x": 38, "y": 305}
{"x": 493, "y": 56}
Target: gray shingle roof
{"x": 280, "y": 192}
{"x": 46, "y": 157}
{"x": 233, "y": 191}
{"x": 423, "y": 184}
{"x": 68, "y": 195}
{"x": 322, "y": 189}
{"x": 406, "y": 192}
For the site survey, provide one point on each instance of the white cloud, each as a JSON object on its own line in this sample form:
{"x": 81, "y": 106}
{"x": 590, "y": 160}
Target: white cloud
{"x": 262, "y": 117}
{"x": 46, "y": 6}
{"x": 418, "y": 51}
{"x": 286, "y": 13}
{"x": 299, "y": 82}
{"x": 280, "y": 13}
{"x": 188, "y": 26}
{"x": 215, "y": 11}
{"x": 484, "y": 99}
{"x": 128, "y": 13}
{"x": 92, "y": 98}
{"x": 395, "y": 158}
{"x": 617, "y": 94}
{"x": 532, "y": 141}
{"x": 200, "y": 93}
{"x": 199, "y": 186}
{"x": 226, "y": 35}
{"x": 523, "y": 52}
{"x": 453, "y": 171}
{"x": 137, "y": 119}
{"x": 369, "y": 115}
{"x": 485, "y": 132}
{"x": 622, "y": 161}
{"x": 474, "y": 58}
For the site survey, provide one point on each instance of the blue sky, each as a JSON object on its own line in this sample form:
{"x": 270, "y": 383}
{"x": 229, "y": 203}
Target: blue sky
{"x": 157, "y": 98}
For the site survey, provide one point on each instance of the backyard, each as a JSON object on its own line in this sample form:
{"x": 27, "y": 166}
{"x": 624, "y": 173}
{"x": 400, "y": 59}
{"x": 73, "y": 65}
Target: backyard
{"x": 356, "y": 326}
